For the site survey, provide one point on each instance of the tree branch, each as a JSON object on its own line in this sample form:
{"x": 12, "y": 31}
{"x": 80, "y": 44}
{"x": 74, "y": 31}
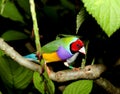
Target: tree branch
{"x": 88, "y": 72}
{"x": 18, "y": 58}
{"x": 109, "y": 87}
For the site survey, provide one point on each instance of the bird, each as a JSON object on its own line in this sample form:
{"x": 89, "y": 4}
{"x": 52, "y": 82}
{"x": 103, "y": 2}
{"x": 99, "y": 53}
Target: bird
{"x": 64, "y": 49}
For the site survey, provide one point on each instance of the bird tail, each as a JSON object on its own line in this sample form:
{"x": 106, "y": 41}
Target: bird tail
{"x": 48, "y": 57}
{"x": 32, "y": 57}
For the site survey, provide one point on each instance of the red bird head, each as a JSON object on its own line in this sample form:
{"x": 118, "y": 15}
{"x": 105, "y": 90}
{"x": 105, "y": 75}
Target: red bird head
{"x": 77, "y": 46}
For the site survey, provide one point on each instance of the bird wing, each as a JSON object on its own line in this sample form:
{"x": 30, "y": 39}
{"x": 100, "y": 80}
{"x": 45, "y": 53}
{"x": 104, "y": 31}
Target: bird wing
{"x": 54, "y": 45}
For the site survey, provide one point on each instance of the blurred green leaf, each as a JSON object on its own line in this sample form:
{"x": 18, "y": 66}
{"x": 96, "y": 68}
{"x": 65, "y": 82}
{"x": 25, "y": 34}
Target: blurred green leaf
{"x": 1, "y": 92}
{"x": 24, "y": 4}
{"x": 51, "y": 11}
{"x": 10, "y": 11}
{"x": 79, "y": 87}
{"x": 67, "y": 4}
{"x": 14, "y": 75}
{"x": 80, "y": 18}
{"x": 2, "y": 6}
{"x": 49, "y": 84}
{"x": 39, "y": 82}
{"x": 106, "y": 12}
{"x": 43, "y": 84}
{"x": 11, "y": 35}
{"x": 1, "y": 53}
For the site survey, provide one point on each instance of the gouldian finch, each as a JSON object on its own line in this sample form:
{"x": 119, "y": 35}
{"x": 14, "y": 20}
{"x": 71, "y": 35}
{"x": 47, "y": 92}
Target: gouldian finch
{"x": 65, "y": 49}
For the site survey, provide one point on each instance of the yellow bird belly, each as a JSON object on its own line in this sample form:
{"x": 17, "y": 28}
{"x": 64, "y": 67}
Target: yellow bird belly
{"x": 51, "y": 57}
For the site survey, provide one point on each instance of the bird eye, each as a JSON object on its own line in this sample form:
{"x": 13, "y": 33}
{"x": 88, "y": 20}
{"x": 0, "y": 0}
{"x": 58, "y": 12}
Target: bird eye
{"x": 78, "y": 45}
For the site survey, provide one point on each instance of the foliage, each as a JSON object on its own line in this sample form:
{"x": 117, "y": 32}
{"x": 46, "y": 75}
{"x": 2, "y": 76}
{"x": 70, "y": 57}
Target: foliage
{"x": 106, "y": 13}
{"x": 43, "y": 83}
{"x": 53, "y": 17}
{"x": 18, "y": 35}
{"x": 79, "y": 87}
{"x": 10, "y": 11}
{"x": 13, "y": 75}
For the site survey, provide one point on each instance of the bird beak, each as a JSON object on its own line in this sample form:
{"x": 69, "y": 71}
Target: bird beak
{"x": 82, "y": 50}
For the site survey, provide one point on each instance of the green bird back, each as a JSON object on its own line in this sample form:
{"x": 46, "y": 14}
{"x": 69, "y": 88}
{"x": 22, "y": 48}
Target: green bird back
{"x": 53, "y": 46}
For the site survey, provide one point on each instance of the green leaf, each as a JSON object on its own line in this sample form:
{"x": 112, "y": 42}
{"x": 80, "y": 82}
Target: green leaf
{"x": 10, "y": 11}
{"x": 38, "y": 82}
{"x": 24, "y": 4}
{"x": 51, "y": 11}
{"x": 14, "y": 75}
{"x": 80, "y": 18}
{"x": 106, "y": 12}
{"x": 2, "y": 53}
{"x": 67, "y": 4}
{"x": 1, "y": 92}
{"x": 79, "y": 87}
{"x": 11, "y": 35}
{"x": 49, "y": 84}
{"x": 43, "y": 84}
{"x": 2, "y": 5}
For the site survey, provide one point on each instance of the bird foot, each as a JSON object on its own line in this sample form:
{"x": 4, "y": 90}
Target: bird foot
{"x": 71, "y": 67}
{"x": 48, "y": 69}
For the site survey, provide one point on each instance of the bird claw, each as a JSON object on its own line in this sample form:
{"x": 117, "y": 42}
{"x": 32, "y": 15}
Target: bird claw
{"x": 71, "y": 67}
{"x": 48, "y": 69}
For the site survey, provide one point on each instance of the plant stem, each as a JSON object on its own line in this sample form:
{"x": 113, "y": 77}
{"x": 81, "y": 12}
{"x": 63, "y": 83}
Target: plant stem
{"x": 2, "y": 6}
{"x": 35, "y": 26}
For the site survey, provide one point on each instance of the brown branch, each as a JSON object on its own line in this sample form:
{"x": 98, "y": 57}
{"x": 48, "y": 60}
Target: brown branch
{"x": 111, "y": 89}
{"x": 89, "y": 72}
{"x": 18, "y": 58}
